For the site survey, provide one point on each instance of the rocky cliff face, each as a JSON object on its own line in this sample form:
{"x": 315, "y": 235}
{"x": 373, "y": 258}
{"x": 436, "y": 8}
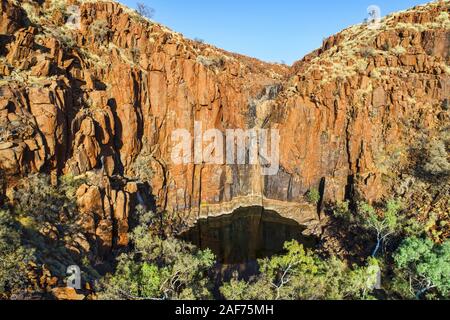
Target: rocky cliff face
{"x": 103, "y": 99}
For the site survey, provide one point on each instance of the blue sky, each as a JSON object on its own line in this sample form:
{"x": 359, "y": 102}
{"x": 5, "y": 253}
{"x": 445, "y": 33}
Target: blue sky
{"x": 283, "y": 30}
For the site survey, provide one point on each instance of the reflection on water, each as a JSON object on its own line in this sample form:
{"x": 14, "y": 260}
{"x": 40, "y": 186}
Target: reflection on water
{"x": 248, "y": 234}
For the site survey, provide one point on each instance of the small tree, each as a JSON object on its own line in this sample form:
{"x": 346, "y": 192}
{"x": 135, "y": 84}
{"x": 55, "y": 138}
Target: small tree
{"x": 423, "y": 265}
{"x": 199, "y": 40}
{"x": 281, "y": 269}
{"x": 384, "y": 223}
{"x": 145, "y": 10}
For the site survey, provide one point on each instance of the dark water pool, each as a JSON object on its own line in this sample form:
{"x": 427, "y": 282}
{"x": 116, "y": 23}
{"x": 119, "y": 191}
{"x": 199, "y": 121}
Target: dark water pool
{"x": 246, "y": 235}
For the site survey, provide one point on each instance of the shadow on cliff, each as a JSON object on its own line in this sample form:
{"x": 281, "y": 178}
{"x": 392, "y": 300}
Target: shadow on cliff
{"x": 344, "y": 240}
{"x": 54, "y": 255}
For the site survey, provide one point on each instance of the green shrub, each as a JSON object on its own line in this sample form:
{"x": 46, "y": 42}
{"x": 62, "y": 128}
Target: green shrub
{"x": 158, "y": 268}
{"x": 14, "y": 257}
{"x": 141, "y": 167}
{"x": 100, "y": 29}
{"x": 437, "y": 163}
{"x": 313, "y": 196}
{"x": 422, "y": 268}
{"x": 398, "y": 50}
{"x": 38, "y": 202}
{"x": 367, "y": 52}
{"x": 341, "y": 210}
{"x": 215, "y": 63}
{"x": 301, "y": 275}
{"x": 49, "y": 222}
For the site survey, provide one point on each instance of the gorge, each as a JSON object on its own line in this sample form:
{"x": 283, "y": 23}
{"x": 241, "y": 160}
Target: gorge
{"x": 364, "y": 117}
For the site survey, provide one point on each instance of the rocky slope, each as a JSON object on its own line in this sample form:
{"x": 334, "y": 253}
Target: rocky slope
{"x": 102, "y": 100}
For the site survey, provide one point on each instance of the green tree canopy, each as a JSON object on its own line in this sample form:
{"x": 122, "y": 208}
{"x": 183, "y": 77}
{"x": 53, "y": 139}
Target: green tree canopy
{"x": 301, "y": 275}
{"x": 423, "y": 266}
{"x": 159, "y": 268}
